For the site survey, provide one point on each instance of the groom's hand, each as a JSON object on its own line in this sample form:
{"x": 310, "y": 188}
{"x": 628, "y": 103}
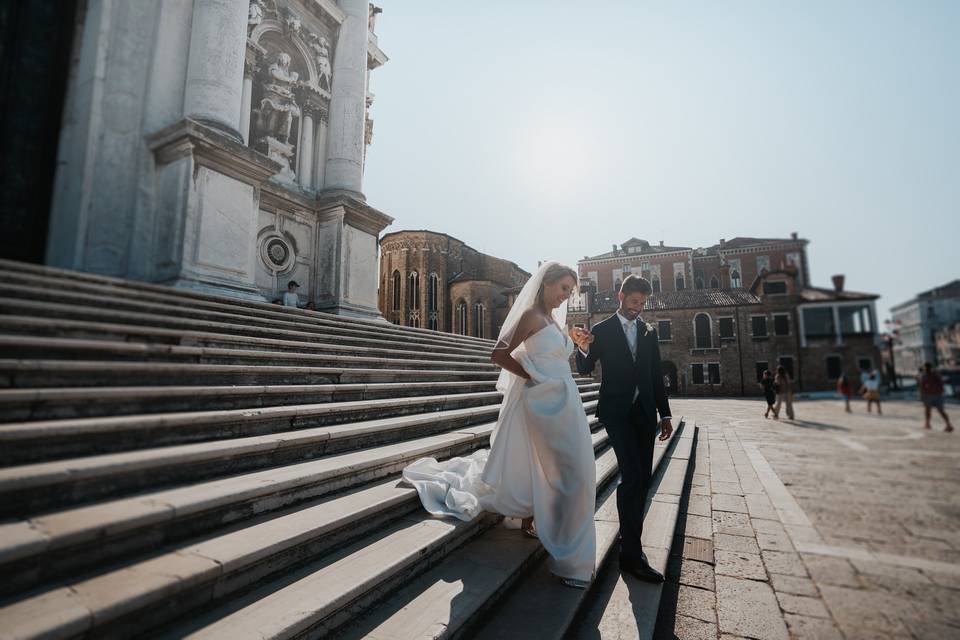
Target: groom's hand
{"x": 665, "y": 429}
{"x": 581, "y": 338}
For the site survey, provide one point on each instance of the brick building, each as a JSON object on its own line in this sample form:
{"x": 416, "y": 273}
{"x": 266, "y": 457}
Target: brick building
{"x": 435, "y": 281}
{"x": 730, "y": 264}
{"x": 718, "y": 342}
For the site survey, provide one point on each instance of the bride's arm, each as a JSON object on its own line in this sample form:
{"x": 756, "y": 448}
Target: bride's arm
{"x": 501, "y": 353}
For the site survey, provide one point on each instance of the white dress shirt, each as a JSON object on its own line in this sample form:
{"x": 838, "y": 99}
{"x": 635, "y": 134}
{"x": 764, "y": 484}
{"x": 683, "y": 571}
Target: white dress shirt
{"x": 630, "y": 331}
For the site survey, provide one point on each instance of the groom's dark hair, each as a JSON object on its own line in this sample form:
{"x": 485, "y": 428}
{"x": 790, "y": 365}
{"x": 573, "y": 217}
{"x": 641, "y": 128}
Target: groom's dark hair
{"x": 635, "y": 284}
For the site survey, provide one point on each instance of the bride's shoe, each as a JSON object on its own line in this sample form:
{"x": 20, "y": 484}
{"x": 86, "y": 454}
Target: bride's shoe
{"x": 575, "y": 583}
{"x": 529, "y": 530}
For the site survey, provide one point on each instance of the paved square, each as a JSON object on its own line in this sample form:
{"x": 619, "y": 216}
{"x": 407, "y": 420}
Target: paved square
{"x": 831, "y": 525}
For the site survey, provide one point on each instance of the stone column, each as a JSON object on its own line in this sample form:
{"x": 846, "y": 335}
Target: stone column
{"x": 218, "y": 44}
{"x": 306, "y": 152}
{"x": 245, "y": 106}
{"x": 320, "y": 155}
{"x": 344, "y": 170}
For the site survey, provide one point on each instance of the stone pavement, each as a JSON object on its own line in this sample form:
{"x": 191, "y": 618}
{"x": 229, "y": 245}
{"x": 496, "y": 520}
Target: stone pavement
{"x": 833, "y": 525}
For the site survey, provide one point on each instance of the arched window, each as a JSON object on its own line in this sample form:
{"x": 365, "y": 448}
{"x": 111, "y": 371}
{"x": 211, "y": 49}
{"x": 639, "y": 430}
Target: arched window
{"x": 478, "y": 319}
{"x": 698, "y": 283}
{"x": 714, "y": 283}
{"x": 396, "y": 291}
{"x": 681, "y": 284}
{"x": 461, "y": 318}
{"x": 702, "y": 331}
{"x": 413, "y": 291}
{"x": 735, "y": 281}
{"x": 655, "y": 284}
{"x": 433, "y": 304}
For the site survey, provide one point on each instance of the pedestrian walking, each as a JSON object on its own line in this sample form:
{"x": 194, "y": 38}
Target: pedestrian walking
{"x": 784, "y": 388}
{"x": 931, "y": 393}
{"x": 769, "y": 393}
{"x": 871, "y": 391}
{"x": 845, "y": 389}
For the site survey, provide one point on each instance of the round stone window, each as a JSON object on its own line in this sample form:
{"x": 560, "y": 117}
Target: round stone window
{"x": 277, "y": 253}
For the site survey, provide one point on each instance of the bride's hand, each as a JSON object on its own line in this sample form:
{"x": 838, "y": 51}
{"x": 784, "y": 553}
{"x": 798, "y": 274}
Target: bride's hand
{"x": 581, "y": 337}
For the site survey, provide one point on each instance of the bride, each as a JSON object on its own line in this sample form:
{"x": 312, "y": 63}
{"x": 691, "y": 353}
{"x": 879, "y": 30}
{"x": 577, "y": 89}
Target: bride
{"x": 540, "y": 466}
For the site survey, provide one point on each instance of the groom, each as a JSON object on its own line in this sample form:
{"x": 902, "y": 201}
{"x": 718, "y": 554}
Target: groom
{"x": 631, "y": 395}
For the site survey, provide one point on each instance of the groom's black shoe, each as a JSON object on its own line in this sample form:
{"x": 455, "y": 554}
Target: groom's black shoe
{"x": 639, "y": 568}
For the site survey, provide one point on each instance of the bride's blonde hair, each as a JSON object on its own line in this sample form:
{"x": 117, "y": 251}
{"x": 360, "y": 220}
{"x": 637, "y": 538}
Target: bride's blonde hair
{"x": 554, "y": 273}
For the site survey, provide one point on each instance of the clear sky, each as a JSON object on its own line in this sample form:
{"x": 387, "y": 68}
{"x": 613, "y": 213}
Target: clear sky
{"x": 552, "y": 130}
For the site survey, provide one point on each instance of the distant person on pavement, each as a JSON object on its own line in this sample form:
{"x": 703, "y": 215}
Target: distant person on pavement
{"x": 782, "y": 382}
{"x": 931, "y": 393}
{"x": 290, "y": 298}
{"x": 871, "y": 391}
{"x": 769, "y": 393}
{"x": 845, "y": 389}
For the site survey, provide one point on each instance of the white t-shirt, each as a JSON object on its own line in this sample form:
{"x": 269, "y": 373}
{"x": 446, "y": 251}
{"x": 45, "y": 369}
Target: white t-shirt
{"x": 290, "y": 299}
{"x": 872, "y": 385}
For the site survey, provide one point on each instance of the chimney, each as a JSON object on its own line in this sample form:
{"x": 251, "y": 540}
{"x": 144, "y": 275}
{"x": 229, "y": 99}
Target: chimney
{"x": 724, "y": 276}
{"x": 793, "y": 235}
{"x": 838, "y": 283}
{"x": 661, "y": 243}
{"x": 614, "y": 247}
{"x": 723, "y": 242}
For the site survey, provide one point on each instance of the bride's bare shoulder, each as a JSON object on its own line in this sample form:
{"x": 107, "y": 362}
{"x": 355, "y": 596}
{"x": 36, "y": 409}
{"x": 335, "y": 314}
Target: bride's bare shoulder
{"x": 530, "y": 321}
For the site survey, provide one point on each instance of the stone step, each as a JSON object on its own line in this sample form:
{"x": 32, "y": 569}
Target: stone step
{"x": 44, "y": 277}
{"x": 540, "y": 602}
{"x": 485, "y": 588}
{"x": 40, "y": 440}
{"x": 55, "y": 483}
{"x": 80, "y": 329}
{"x": 18, "y": 405}
{"x": 337, "y": 588}
{"x": 172, "y": 304}
{"x": 128, "y": 600}
{"x": 147, "y": 323}
{"x": 75, "y": 373}
{"x": 47, "y": 348}
{"x": 65, "y": 541}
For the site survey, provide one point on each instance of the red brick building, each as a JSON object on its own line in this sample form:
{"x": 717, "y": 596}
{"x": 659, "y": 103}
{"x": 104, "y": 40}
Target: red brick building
{"x": 718, "y": 341}
{"x": 435, "y": 281}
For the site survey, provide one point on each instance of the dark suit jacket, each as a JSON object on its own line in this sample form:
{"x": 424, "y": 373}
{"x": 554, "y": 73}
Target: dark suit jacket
{"x": 622, "y": 374}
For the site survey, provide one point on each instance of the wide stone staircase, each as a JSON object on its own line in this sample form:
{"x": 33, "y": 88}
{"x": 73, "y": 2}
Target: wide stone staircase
{"x": 182, "y": 465}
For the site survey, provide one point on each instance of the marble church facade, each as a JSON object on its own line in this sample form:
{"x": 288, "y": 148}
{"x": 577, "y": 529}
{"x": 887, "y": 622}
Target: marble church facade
{"x": 219, "y": 145}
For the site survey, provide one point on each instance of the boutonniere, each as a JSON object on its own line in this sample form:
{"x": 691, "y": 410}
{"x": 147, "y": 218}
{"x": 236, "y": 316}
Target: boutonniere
{"x": 646, "y": 327}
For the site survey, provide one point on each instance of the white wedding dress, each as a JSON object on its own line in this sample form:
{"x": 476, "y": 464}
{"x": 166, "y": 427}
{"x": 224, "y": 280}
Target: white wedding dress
{"x": 540, "y": 463}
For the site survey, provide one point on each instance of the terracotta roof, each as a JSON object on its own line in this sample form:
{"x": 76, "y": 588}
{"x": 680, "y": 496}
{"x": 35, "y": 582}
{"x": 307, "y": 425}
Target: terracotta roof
{"x": 821, "y": 294}
{"x": 741, "y": 242}
{"x": 702, "y": 298}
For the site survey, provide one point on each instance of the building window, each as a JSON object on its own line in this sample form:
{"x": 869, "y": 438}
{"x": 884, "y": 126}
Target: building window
{"x": 714, "y": 283}
{"x": 834, "y": 366}
{"x": 758, "y": 325}
{"x": 616, "y": 284}
{"x": 663, "y": 331}
{"x": 697, "y": 373}
{"x": 413, "y": 291}
{"x": 865, "y": 364}
{"x": 774, "y": 287}
{"x": 761, "y": 367}
{"x": 396, "y": 291}
{"x": 781, "y": 324}
{"x": 680, "y": 282}
{"x": 735, "y": 281}
{"x": 818, "y": 323}
{"x": 787, "y": 363}
{"x": 698, "y": 283}
{"x": 855, "y": 320}
{"x": 655, "y": 284}
{"x": 726, "y": 328}
{"x": 478, "y": 319}
{"x": 433, "y": 295}
{"x": 763, "y": 264}
{"x": 462, "y": 318}
{"x": 702, "y": 331}
{"x": 713, "y": 370}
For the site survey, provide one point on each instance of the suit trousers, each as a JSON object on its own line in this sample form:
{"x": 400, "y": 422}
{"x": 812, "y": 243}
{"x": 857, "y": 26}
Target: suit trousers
{"x": 633, "y": 442}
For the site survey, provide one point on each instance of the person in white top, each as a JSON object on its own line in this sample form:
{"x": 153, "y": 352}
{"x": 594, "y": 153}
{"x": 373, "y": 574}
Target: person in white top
{"x": 290, "y": 298}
